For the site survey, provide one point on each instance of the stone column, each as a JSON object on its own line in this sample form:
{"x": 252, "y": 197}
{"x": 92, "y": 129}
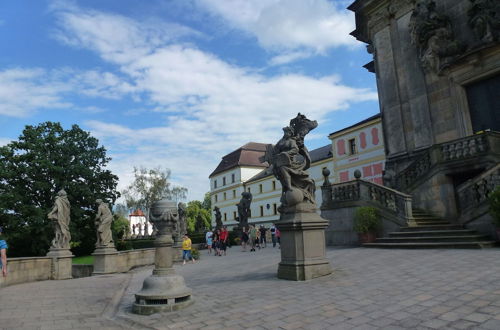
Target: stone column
{"x": 164, "y": 290}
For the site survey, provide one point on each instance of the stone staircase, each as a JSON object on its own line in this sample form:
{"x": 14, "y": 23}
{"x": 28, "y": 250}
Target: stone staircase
{"x": 433, "y": 232}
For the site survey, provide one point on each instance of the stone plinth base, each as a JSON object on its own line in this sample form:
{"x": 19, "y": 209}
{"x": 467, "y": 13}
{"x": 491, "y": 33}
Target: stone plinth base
{"x": 302, "y": 246}
{"x": 62, "y": 263}
{"x": 162, "y": 293}
{"x": 105, "y": 259}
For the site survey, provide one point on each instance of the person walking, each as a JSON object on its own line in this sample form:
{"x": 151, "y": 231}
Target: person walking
{"x": 224, "y": 237}
{"x": 263, "y": 240}
{"x": 244, "y": 239}
{"x": 273, "y": 235}
{"x": 257, "y": 237}
{"x": 208, "y": 238}
{"x": 3, "y": 254}
{"x": 186, "y": 249}
{"x": 216, "y": 242}
{"x": 252, "y": 234}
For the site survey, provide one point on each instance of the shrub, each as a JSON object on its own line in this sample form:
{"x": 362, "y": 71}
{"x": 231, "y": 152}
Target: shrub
{"x": 494, "y": 199}
{"x": 366, "y": 219}
{"x": 236, "y": 241}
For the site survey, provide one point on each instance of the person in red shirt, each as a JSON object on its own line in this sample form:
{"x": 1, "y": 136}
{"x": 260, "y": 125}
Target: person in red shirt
{"x": 224, "y": 236}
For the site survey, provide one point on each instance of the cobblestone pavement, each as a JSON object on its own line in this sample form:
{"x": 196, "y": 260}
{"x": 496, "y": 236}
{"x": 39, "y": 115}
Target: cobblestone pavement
{"x": 369, "y": 289}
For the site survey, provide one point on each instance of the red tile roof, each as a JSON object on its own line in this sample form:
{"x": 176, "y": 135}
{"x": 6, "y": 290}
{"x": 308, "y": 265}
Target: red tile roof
{"x": 137, "y": 213}
{"x": 247, "y": 155}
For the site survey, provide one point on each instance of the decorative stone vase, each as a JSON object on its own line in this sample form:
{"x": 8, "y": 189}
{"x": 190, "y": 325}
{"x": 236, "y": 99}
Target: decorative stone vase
{"x": 164, "y": 290}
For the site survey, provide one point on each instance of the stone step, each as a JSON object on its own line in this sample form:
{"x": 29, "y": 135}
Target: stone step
{"x": 432, "y": 222}
{"x": 440, "y": 245}
{"x": 432, "y": 233}
{"x": 433, "y": 239}
{"x": 432, "y": 227}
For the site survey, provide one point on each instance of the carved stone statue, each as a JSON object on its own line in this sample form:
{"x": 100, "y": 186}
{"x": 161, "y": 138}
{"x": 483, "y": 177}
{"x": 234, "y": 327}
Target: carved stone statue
{"x": 103, "y": 221}
{"x": 289, "y": 160}
{"x": 244, "y": 209}
{"x": 60, "y": 216}
{"x": 484, "y": 19}
{"x": 218, "y": 218}
{"x": 182, "y": 219}
{"x": 433, "y": 36}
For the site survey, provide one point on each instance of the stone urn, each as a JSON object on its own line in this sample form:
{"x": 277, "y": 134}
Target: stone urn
{"x": 164, "y": 290}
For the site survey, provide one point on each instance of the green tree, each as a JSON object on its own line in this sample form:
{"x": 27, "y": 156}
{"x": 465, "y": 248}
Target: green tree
{"x": 45, "y": 159}
{"x": 207, "y": 202}
{"x": 151, "y": 185}
{"x": 198, "y": 218}
{"x": 120, "y": 227}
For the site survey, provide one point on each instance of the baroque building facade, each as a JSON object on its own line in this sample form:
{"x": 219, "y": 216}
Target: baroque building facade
{"x": 437, "y": 66}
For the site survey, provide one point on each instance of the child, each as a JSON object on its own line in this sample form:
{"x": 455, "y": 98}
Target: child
{"x": 186, "y": 249}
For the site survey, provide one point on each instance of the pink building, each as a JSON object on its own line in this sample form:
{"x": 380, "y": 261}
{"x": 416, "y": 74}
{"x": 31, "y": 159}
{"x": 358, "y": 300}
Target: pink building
{"x": 359, "y": 147}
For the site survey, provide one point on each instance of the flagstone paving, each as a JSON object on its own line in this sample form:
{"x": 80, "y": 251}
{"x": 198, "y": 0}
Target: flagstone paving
{"x": 369, "y": 289}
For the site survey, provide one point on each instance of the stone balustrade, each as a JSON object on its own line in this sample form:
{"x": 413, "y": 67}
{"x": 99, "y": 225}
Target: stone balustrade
{"x": 474, "y": 192}
{"x": 361, "y": 192}
{"x": 444, "y": 153}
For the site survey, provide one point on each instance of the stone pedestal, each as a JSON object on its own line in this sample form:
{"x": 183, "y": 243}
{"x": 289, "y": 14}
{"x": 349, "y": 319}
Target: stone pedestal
{"x": 302, "y": 246}
{"x": 164, "y": 290}
{"x": 62, "y": 263}
{"x": 104, "y": 260}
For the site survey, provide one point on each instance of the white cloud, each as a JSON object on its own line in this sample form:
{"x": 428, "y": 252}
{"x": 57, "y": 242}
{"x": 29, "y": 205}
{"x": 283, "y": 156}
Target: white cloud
{"x": 115, "y": 37}
{"x": 289, "y": 24}
{"x": 289, "y": 57}
{"x": 23, "y": 91}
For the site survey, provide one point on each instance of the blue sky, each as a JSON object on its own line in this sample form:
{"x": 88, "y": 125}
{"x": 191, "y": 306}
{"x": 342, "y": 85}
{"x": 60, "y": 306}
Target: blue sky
{"x": 180, "y": 83}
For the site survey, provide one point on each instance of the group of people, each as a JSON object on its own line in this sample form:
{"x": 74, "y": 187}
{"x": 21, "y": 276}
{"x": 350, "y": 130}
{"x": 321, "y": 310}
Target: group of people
{"x": 251, "y": 237}
{"x": 254, "y": 237}
{"x": 218, "y": 241}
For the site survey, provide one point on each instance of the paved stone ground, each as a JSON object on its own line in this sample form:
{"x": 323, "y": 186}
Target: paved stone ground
{"x": 369, "y": 289}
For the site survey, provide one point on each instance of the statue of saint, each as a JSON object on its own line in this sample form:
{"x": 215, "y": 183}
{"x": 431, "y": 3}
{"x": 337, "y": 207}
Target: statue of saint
{"x": 60, "y": 216}
{"x": 244, "y": 209}
{"x": 218, "y": 218}
{"x": 289, "y": 160}
{"x": 103, "y": 221}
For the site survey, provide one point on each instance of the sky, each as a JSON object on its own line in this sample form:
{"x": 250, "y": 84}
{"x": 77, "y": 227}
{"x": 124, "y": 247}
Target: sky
{"x": 181, "y": 83}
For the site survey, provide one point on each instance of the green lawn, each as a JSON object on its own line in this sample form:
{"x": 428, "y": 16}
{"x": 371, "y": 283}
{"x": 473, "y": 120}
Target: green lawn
{"x": 85, "y": 260}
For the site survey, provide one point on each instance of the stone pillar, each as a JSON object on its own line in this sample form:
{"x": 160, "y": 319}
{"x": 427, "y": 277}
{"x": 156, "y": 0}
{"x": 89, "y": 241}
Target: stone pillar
{"x": 164, "y": 290}
{"x": 62, "y": 263}
{"x": 303, "y": 254}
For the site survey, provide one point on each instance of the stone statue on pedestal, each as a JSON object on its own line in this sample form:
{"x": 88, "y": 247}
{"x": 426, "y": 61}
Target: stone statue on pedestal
{"x": 244, "y": 209}
{"x": 218, "y": 218}
{"x": 60, "y": 216}
{"x": 289, "y": 169}
{"x": 103, "y": 221}
{"x": 303, "y": 256}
